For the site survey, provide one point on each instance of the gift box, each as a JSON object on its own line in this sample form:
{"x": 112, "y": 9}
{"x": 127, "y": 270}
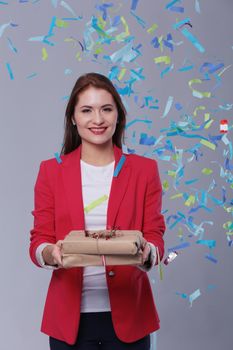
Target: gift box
{"x": 105, "y": 247}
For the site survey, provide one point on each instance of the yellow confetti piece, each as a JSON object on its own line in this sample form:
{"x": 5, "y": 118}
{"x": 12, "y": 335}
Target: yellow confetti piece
{"x": 61, "y": 24}
{"x": 44, "y": 54}
{"x": 165, "y": 185}
{"x": 210, "y": 121}
{"x": 178, "y": 195}
{"x": 159, "y": 265}
{"x": 207, "y": 171}
{"x": 190, "y": 201}
{"x": 101, "y": 22}
{"x": 197, "y": 93}
{"x": 122, "y": 73}
{"x": 152, "y": 28}
{"x": 98, "y": 50}
{"x": 171, "y": 173}
{"x": 95, "y": 203}
{"x": 208, "y": 144}
{"x": 228, "y": 225}
{"x": 163, "y": 59}
{"x": 228, "y": 209}
{"x": 78, "y": 56}
{"x": 180, "y": 232}
{"x": 229, "y": 233}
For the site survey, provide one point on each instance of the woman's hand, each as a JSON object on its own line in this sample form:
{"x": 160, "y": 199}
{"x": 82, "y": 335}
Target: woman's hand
{"x": 52, "y": 254}
{"x": 146, "y": 249}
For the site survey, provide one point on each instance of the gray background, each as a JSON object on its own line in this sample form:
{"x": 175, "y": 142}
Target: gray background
{"x": 32, "y": 113}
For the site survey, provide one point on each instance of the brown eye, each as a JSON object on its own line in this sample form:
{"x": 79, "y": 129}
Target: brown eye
{"x": 107, "y": 109}
{"x": 86, "y": 110}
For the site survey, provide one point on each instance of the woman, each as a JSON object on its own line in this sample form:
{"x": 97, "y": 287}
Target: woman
{"x": 97, "y": 307}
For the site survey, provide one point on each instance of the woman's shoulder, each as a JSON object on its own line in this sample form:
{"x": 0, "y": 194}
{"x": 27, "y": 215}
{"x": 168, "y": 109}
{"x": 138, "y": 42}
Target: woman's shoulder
{"x": 57, "y": 160}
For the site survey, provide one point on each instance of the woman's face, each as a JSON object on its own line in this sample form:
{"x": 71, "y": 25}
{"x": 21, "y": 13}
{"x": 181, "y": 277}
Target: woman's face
{"x": 95, "y": 115}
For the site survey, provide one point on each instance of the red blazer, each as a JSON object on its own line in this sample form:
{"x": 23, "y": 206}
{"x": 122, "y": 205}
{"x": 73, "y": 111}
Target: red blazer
{"x": 134, "y": 203}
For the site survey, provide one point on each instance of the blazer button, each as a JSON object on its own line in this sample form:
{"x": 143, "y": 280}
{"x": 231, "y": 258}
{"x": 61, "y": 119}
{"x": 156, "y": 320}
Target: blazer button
{"x": 111, "y": 273}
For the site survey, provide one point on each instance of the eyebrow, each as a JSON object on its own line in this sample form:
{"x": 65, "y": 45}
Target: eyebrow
{"x": 108, "y": 104}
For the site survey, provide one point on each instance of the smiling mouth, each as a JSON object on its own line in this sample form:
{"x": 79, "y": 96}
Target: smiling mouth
{"x": 98, "y": 131}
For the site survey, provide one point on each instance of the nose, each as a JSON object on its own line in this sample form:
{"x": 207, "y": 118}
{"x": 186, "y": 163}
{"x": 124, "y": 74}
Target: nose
{"x": 98, "y": 117}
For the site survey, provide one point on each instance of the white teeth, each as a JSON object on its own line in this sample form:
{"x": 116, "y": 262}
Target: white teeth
{"x": 97, "y": 128}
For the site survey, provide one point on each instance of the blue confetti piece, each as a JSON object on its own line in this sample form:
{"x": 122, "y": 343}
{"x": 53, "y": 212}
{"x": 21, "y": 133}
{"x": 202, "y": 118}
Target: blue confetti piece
{"x": 134, "y": 4}
{"x": 54, "y": 3}
{"x": 181, "y": 23}
{"x": 32, "y": 75}
{"x": 197, "y": 6}
{"x": 147, "y": 140}
{"x": 68, "y": 8}
{"x": 119, "y": 165}
{"x": 139, "y": 20}
{"x": 116, "y": 21}
{"x": 170, "y": 4}
{"x": 193, "y": 40}
{"x": 182, "y": 295}
{"x": 194, "y": 296}
{"x": 52, "y": 25}
{"x": 211, "y": 258}
{"x": 57, "y": 156}
{"x": 178, "y": 106}
{"x": 180, "y": 246}
{"x": 155, "y": 42}
{"x": 11, "y": 46}
{"x": 208, "y": 243}
{"x": 185, "y": 69}
{"x": 176, "y": 9}
{"x": 10, "y": 71}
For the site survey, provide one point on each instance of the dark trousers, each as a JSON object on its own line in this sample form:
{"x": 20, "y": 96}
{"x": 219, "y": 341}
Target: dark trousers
{"x": 96, "y": 332}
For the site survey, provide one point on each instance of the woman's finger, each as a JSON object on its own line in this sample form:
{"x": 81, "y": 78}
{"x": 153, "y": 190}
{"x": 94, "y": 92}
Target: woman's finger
{"x": 146, "y": 252}
{"x": 56, "y": 253}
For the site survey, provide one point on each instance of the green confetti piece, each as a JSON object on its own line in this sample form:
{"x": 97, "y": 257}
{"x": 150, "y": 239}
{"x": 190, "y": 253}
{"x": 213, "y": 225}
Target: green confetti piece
{"x": 165, "y": 185}
{"x": 61, "y": 24}
{"x": 207, "y": 171}
{"x": 208, "y": 144}
{"x": 163, "y": 59}
{"x": 190, "y": 201}
{"x": 171, "y": 173}
{"x": 178, "y": 195}
{"x": 95, "y": 203}
{"x": 228, "y": 225}
{"x": 152, "y": 28}
{"x": 180, "y": 232}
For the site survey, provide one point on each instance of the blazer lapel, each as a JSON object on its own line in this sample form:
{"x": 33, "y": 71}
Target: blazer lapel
{"x": 71, "y": 174}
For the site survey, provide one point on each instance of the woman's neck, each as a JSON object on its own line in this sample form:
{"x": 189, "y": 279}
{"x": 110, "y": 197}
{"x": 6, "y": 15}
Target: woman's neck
{"x": 97, "y": 154}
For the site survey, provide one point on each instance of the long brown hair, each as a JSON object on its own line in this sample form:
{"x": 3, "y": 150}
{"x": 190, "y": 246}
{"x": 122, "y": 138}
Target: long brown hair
{"x": 72, "y": 138}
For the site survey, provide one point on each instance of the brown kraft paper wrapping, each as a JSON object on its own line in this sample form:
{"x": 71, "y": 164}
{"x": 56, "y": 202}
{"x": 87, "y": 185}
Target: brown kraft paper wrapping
{"x": 87, "y": 248}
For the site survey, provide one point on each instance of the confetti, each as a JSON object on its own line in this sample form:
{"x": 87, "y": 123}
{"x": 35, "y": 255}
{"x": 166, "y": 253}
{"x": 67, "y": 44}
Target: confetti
{"x": 168, "y": 106}
{"x": 10, "y": 71}
{"x": 194, "y": 296}
{"x": 197, "y": 6}
{"x": 44, "y": 54}
{"x": 58, "y": 158}
{"x": 134, "y": 5}
{"x": 192, "y": 39}
{"x": 119, "y": 166}
{"x": 95, "y": 203}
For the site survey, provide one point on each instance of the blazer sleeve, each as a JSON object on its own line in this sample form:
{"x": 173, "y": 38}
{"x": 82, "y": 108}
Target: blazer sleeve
{"x": 153, "y": 220}
{"x": 43, "y": 230}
